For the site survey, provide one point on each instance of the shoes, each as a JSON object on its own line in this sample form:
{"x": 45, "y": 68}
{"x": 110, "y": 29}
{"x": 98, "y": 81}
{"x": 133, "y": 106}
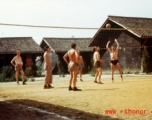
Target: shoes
{"x": 121, "y": 78}
{"x": 24, "y": 83}
{"x": 76, "y": 89}
{"x": 46, "y": 87}
{"x": 70, "y": 88}
{"x": 95, "y": 81}
{"x": 81, "y": 80}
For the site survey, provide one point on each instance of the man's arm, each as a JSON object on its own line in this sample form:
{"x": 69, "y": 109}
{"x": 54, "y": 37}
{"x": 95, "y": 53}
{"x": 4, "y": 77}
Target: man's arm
{"x": 107, "y": 46}
{"x": 47, "y": 61}
{"x": 12, "y": 61}
{"x": 82, "y": 61}
{"x": 65, "y": 58}
{"x": 77, "y": 58}
{"x": 21, "y": 61}
{"x": 117, "y": 44}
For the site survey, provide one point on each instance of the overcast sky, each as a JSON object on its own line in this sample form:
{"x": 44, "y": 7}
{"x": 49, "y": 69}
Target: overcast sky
{"x": 65, "y": 13}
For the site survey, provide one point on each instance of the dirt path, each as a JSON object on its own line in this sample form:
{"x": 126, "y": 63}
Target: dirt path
{"x": 129, "y": 99}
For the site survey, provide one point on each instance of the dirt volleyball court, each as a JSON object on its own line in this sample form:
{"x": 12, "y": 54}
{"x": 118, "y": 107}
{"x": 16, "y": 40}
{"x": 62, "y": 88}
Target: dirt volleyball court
{"x": 122, "y": 100}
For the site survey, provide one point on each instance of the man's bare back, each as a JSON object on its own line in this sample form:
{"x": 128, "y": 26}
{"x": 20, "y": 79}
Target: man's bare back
{"x": 72, "y": 55}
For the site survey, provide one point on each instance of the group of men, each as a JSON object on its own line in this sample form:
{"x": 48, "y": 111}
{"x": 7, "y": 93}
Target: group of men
{"x": 75, "y": 64}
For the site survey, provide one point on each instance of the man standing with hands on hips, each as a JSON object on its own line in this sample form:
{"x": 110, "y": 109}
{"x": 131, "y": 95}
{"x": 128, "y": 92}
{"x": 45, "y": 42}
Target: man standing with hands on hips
{"x": 18, "y": 66}
{"x": 72, "y": 56}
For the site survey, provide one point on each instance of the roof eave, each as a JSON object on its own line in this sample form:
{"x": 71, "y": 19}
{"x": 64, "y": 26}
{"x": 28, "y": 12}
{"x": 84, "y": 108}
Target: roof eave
{"x": 125, "y": 28}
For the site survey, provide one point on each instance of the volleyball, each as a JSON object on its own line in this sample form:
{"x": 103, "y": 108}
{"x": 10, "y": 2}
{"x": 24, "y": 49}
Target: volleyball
{"x": 108, "y": 25}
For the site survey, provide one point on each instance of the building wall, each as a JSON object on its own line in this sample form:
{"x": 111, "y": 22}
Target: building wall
{"x": 129, "y": 54}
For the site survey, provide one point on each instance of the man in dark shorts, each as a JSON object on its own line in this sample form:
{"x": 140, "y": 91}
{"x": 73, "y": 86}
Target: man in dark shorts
{"x": 97, "y": 64}
{"x": 114, "y": 59}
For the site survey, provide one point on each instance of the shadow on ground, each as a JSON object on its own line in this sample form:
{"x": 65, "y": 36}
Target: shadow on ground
{"x": 21, "y": 109}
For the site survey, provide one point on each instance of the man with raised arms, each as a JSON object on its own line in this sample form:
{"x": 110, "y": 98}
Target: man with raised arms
{"x": 114, "y": 59}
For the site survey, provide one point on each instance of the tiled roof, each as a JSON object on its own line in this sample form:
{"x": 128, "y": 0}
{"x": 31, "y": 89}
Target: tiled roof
{"x": 24, "y": 44}
{"x": 139, "y": 26}
{"x": 64, "y": 44}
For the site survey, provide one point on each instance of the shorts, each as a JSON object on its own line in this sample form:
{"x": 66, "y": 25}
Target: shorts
{"x": 72, "y": 66}
{"x": 80, "y": 66}
{"x": 114, "y": 62}
{"x": 18, "y": 67}
{"x": 97, "y": 64}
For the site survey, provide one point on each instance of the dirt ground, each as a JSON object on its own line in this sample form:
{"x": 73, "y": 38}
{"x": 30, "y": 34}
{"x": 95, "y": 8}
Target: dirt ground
{"x": 129, "y": 99}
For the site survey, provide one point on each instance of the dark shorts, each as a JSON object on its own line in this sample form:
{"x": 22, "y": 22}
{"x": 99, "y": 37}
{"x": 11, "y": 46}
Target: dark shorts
{"x": 114, "y": 62}
{"x": 97, "y": 64}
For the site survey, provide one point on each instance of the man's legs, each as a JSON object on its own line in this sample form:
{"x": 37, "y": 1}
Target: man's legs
{"x": 22, "y": 73}
{"x": 48, "y": 79}
{"x": 96, "y": 75}
{"x": 16, "y": 76}
{"x": 100, "y": 73}
{"x": 70, "y": 82}
{"x": 119, "y": 69}
{"x": 112, "y": 71}
{"x": 75, "y": 72}
{"x": 80, "y": 72}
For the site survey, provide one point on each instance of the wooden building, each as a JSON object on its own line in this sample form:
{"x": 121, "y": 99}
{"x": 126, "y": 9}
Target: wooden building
{"x": 28, "y": 47}
{"x": 62, "y": 45}
{"x": 132, "y": 34}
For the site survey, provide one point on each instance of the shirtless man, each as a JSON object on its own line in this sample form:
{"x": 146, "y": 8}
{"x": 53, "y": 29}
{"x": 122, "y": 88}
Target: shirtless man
{"x": 72, "y": 66}
{"x": 80, "y": 65}
{"x": 47, "y": 68}
{"x": 18, "y": 66}
{"x": 97, "y": 64}
{"x": 114, "y": 58}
